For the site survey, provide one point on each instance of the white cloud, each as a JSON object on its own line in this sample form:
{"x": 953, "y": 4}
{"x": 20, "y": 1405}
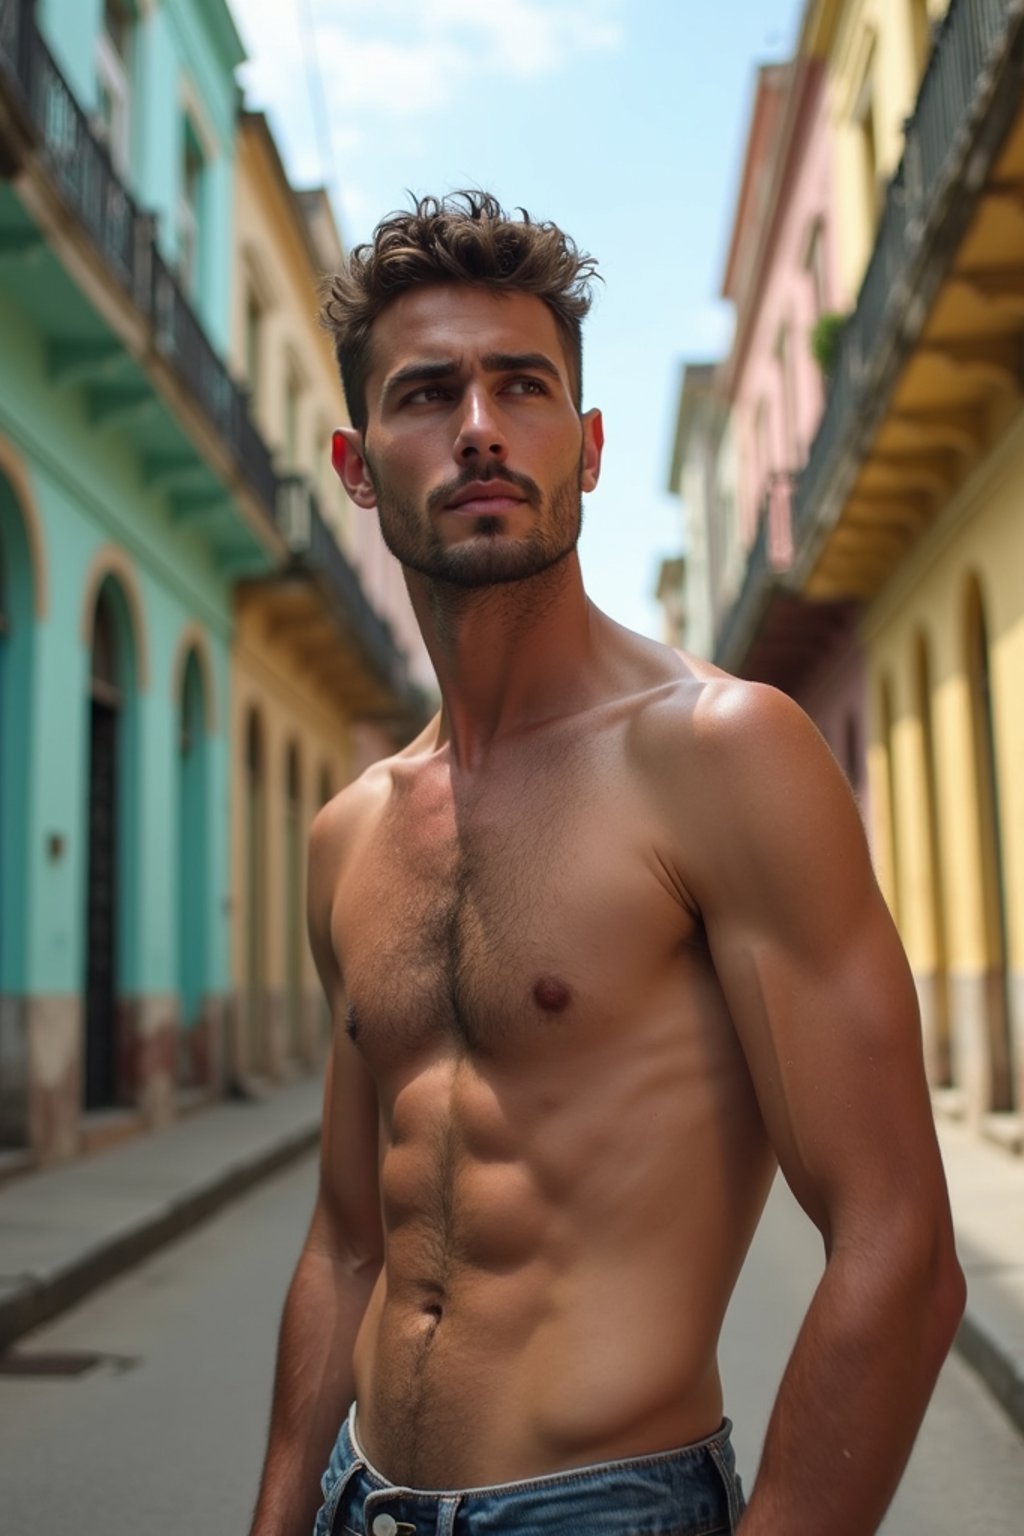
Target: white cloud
{"x": 386, "y": 69}
{"x": 410, "y": 57}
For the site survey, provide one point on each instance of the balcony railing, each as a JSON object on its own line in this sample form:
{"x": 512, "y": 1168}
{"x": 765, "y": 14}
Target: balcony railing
{"x": 957, "y": 74}
{"x": 312, "y": 544}
{"x": 770, "y": 554}
{"x": 124, "y": 236}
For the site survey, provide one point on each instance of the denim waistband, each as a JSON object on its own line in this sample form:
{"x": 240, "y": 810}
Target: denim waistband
{"x": 690, "y": 1491}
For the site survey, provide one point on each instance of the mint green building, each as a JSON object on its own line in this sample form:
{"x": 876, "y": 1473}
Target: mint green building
{"x": 134, "y": 494}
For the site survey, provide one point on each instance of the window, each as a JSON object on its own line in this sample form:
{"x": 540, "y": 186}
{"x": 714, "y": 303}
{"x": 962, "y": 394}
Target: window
{"x": 784, "y": 354}
{"x": 189, "y": 213}
{"x": 113, "y": 71}
{"x": 814, "y": 265}
{"x": 864, "y": 124}
{"x": 253, "y": 345}
{"x": 762, "y": 449}
{"x": 292, "y": 392}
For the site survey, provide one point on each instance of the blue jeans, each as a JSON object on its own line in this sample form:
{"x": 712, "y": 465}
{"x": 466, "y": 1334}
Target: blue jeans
{"x": 693, "y": 1491}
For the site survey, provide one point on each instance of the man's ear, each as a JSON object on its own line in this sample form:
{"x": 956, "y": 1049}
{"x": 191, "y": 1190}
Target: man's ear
{"x": 593, "y": 443}
{"x": 350, "y": 466}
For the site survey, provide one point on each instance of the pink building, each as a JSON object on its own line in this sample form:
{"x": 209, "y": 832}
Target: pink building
{"x": 781, "y": 277}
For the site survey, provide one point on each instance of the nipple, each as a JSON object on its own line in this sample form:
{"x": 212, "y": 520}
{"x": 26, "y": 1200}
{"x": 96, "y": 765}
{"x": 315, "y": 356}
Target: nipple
{"x": 551, "y": 994}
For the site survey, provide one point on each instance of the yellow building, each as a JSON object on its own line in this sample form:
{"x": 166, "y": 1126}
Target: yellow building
{"x": 910, "y": 503}
{"x": 320, "y": 685}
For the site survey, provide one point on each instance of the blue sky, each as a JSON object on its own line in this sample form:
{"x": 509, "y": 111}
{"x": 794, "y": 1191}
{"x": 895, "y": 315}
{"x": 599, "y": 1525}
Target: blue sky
{"x": 622, "y": 120}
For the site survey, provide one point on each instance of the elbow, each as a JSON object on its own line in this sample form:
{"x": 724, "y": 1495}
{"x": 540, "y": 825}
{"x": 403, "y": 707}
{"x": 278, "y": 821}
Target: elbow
{"x": 948, "y": 1294}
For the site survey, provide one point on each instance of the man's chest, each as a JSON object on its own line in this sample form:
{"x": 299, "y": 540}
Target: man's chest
{"x": 539, "y": 902}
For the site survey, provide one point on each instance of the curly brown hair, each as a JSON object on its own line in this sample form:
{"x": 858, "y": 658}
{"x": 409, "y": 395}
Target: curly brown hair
{"x": 466, "y": 237}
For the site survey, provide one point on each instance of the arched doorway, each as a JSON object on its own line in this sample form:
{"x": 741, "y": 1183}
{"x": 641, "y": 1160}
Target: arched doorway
{"x": 255, "y": 894}
{"x": 109, "y": 677}
{"x": 936, "y": 1004}
{"x": 988, "y": 829}
{"x": 19, "y": 576}
{"x": 293, "y": 902}
{"x": 192, "y": 881}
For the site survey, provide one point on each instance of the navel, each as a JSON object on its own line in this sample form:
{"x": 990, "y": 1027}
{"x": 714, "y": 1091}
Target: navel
{"x": 552, "y": 994}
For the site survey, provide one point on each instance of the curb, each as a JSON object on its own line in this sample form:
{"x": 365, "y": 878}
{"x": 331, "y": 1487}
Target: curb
{"x": 38, "y": 1298}
{"x": 979, "y": 1344}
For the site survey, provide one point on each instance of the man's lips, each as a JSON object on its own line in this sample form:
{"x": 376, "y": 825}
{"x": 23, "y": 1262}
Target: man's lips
{"x": 485, "y": 496}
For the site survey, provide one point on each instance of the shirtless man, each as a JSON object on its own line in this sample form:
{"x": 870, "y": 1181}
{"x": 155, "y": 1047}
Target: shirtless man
{"x": 602, "y": 946}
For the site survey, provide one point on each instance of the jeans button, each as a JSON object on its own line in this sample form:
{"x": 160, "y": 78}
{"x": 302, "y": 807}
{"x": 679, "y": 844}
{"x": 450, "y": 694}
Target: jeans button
{"x": 384, "y": 1525}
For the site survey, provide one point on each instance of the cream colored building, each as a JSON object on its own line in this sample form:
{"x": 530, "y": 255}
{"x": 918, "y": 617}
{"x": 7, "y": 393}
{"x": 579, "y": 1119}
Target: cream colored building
{"x": 326, "y": 660}
{"x": 910, "y": 504}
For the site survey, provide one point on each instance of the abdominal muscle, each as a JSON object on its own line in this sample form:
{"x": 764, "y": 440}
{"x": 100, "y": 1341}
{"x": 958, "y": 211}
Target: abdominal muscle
{"x": 556, "y": 1271}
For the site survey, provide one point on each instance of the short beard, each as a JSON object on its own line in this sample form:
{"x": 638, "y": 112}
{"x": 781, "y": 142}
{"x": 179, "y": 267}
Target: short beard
{"x": 491, "y": 558}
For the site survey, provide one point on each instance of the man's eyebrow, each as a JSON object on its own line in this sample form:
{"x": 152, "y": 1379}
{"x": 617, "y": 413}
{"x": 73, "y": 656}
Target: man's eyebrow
{"x": 493, "y": 362}
{"x": 519, "y": 362}
{"x": 419, "y": 373}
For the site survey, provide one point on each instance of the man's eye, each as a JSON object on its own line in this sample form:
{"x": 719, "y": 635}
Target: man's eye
{"x": 426, "y": 394}
{"x": 526, "y": 387}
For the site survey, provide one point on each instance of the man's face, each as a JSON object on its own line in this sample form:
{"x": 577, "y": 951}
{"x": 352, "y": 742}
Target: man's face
{"x": 474, "y": 453}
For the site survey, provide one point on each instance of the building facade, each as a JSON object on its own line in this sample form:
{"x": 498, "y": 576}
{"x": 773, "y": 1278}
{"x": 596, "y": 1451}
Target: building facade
{"x": 137, "y": 496}
{"x": 319, "y": 684}
{"x": 903, "y": 512}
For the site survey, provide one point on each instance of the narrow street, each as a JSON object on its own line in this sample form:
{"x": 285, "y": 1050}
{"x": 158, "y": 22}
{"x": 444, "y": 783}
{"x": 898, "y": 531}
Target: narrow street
{"x": 165, "y": 1433}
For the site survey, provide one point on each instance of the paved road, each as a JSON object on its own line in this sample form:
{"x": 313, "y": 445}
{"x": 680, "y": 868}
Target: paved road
{"x": 165, "y": 1435}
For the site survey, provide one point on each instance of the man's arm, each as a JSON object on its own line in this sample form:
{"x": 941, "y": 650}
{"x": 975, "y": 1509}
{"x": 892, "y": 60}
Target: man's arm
{"x": 822, "y": 998}
{"x": 342, "y": 1253}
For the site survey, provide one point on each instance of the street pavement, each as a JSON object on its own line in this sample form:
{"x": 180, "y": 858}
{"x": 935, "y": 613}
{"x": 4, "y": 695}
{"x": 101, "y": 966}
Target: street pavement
{"x": 165, "y": 1430}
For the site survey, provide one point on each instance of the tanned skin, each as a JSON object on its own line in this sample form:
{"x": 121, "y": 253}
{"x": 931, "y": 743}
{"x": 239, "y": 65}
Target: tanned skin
{"x": 603, "y": 948}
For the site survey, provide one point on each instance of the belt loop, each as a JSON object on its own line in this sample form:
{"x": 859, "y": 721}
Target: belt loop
{"x": 446, "y": 1516}
{"x": 732, "y": 1493}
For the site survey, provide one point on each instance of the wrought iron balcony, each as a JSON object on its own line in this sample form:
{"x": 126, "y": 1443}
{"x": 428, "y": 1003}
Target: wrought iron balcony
{"x": 124, "y": 237}
{"x": 315, "y": 549}
{"x": 770, "y": 554}
{"x": 931, "y": 193}
{"x": 51, "y": 124}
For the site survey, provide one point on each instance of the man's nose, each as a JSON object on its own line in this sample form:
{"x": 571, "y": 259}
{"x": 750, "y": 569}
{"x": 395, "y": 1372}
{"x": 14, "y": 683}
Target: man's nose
{"x": 480, "y": 434}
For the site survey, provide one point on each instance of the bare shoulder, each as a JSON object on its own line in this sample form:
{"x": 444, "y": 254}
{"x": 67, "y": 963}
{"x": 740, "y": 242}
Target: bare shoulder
{"x": 748, "y": 789}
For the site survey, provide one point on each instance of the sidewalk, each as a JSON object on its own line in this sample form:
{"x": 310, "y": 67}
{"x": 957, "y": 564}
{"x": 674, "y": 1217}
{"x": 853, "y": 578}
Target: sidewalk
{"x": 986, "y": 1188}
{"x": 68, "y": 1229}
{"x": 65, "y": 1230}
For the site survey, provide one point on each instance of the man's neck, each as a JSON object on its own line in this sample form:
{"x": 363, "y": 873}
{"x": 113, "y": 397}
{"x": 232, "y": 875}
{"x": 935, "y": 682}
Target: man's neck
{"x": 506, "y": 656}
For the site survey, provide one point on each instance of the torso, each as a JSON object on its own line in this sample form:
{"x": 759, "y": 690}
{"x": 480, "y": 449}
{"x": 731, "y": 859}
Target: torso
{"x": 572, "y": 1161}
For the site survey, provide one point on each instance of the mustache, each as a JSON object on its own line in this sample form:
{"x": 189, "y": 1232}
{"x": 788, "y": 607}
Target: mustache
{"x": 442, "y": 494}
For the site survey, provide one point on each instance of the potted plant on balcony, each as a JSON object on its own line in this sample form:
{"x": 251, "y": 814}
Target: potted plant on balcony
{"x": 825, "y": 339}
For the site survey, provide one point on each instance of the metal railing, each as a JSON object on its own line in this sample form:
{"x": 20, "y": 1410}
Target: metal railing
{"x": 957, "y": 73}
{"x": 770, "y": 553}
{"x": 124, "y": 235}
{"x": 79, "y": 161}
{"x": 312, "y": 544}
